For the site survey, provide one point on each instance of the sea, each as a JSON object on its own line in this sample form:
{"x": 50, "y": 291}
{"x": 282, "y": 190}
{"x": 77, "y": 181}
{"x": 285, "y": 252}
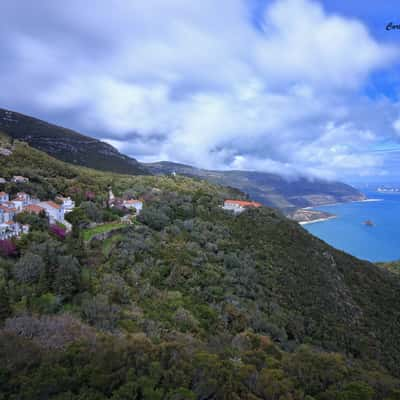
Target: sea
{"x": 348, "y": 232}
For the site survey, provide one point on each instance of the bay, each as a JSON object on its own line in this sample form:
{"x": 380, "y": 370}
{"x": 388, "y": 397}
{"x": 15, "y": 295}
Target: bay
{"x": 347, "y": 232}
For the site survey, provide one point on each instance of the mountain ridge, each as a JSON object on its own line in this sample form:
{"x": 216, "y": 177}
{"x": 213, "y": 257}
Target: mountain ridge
{"x": 66, "y": 144}
{"x": 267, "y": 188}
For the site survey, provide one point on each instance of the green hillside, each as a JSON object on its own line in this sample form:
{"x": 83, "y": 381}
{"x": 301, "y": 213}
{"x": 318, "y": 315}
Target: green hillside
{"x": 189, "y": 302}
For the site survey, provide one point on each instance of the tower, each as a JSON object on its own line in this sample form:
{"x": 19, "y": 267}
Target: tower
{"x": 111, "y": 197}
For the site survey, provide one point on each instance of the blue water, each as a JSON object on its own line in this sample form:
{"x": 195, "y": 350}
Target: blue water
{"x": 347, "y": 232}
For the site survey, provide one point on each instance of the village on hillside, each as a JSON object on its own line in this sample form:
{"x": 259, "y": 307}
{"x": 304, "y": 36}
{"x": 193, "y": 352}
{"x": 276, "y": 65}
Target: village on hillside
{"x": 23, "y": 202}
{"x": 56, "y": 210}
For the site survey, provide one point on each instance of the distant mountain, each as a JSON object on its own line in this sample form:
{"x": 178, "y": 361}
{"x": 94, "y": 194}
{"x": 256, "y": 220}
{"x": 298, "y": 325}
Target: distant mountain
{"x": 67, "y": 145}
{"x": 269, "y": 189}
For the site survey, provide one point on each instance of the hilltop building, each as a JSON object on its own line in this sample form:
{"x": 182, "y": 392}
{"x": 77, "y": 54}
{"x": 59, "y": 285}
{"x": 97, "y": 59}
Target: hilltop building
{"x": 136, "y": 204}
{"x": 119, "y": 202}
{"x": 238, "y": 206}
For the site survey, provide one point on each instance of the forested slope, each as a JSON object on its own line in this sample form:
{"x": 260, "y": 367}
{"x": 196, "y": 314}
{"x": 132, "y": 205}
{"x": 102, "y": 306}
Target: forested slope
{"x": 189, "y": 302}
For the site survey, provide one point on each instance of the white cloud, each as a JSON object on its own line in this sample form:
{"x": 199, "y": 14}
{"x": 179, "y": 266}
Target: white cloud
{"x": 198, "y": 82}
{"x": 396, "y": 126}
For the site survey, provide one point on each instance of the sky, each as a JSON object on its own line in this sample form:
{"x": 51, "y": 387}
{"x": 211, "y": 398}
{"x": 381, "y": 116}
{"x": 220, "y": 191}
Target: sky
{"x": 295, "y": 87}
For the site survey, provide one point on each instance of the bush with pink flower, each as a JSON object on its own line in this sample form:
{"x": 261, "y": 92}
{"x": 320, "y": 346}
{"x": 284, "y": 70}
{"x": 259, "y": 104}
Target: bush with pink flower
{"x": 7, "y": 248}
{"x": 58, "y": 231}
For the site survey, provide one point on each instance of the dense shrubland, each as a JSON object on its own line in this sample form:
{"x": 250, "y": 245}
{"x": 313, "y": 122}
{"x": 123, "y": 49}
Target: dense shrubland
{"x": 190, "y": 302}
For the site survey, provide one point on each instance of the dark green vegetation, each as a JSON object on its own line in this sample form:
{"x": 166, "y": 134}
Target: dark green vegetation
{"x": 190, "y": 302}
{"x": 269, "y": 189}
{"x": 66, "y": 144}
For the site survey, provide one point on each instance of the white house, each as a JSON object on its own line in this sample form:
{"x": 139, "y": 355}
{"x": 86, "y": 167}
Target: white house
{"x": 25, "y": 197}
{"x": 4, "y": 197}
{"x": 2, "y": 180}
{"x": 66, "y": 203}
{"x": 53, "y": 210}
{"x": 137, "y": 204}
{"x": 238, "y": 206}
{"x": 21, "y": 201}
{"x": 7, "y": 212}
{"x": 10, "y": 229}
{"x": 19, "y": 179}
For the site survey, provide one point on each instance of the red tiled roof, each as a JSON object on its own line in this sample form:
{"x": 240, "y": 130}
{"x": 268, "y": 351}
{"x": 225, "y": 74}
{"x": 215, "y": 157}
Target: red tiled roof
{"x": 7, "y": 208}
{"x": 3, "y": 193}
{"x": 244, "y": 203}
{"x": 33, "y": 208}
{"x": 132, "y": 201}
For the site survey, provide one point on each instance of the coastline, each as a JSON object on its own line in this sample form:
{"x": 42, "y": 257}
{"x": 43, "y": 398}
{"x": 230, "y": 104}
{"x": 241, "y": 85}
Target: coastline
{"x": 313, "y": 208}
{"x": 317, "y": 220}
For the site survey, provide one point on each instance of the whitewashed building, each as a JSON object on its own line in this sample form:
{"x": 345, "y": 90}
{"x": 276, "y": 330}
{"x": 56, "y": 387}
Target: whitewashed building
{"x": 7, "y": 212}
{"x": 11, "y": 229}
{"x": 21, "y": 201}
{"x": 66, "y": 203}
{"x": 54, "y": 211}
{"x": 136, "y": 204}
{"x": 4, "y": 197}
{"x": 238, "y": 206}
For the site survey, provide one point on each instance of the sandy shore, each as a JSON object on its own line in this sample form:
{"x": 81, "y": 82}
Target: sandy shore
{"x": 317, "y": 220}
{"x": 333, "y": 204}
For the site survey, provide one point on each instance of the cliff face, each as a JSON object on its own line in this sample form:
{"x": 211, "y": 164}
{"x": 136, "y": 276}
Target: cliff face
{"x": 270, "y": 189}
{"x": 67, "y": 145}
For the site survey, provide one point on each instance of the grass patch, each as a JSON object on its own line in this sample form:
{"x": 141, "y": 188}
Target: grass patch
{"x": 89, "y": 233}
{"x": 108, "y": 244}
